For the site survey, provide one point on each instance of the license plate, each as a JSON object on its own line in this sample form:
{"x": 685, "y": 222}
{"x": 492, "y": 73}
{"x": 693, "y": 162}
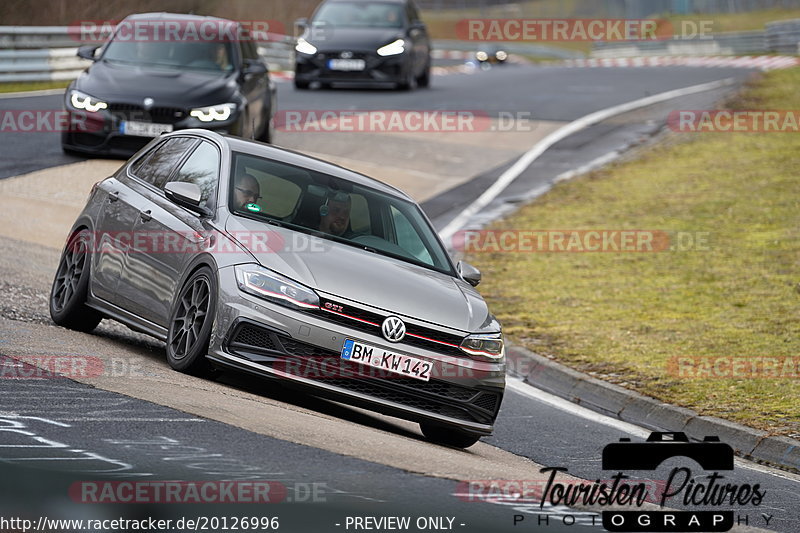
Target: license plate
{"x": 375, "y": 357}
{"x": 144, "y": 129}
{"x": 346, "y": 64}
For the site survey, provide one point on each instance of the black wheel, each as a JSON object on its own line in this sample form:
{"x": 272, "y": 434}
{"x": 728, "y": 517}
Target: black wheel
{"x": 301, "y": 84}
{"x": 409, "y": 83}
{"x": 71, "y": 285}
{"x": 424, "y": 80}
{"x": 190, "y": 323}
{"x": 448, "y": 436}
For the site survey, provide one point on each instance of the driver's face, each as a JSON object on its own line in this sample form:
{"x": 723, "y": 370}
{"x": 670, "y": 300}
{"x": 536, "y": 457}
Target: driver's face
{"x": 338, "y": 217}
{"x": 246, "y": 191}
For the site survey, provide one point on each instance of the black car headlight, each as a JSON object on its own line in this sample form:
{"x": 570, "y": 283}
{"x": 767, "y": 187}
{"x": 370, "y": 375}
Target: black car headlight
{"x": 220, "y": 112}
{"x": 85, "y": 102}
{"x": 393, "y": 48}
{"x": 259, "y": 281}
{"x": 305, "y": 47}
{"x": 490, "y": 346}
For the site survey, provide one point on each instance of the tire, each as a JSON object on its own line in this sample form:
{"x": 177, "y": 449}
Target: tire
{"x": 424, "y": 80}
{"x": 190, "y": 323}
{"x": 410, "y": 82}
{"x": 302, "y": 85}
{"x": 448, "y": 436}
{"x": 71, "y": 285}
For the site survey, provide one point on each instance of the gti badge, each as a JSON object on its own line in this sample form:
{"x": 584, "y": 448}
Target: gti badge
{"x": 148, "y": 102}
{"x": 393, "y": 329}
{"x": 346, "y": 55}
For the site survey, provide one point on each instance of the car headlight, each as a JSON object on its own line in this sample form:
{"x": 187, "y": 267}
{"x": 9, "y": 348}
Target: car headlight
{"x": 490, "y": 346}
{"x": 482, "y": 56}
{"x": 80, "y": 100}
{"x": 501, "y": 55}
{"x": 271, "y": 286}
{"x": 305, "y": 47}
{"x": 213, "y": 112}
{"x": 393, "y": 48}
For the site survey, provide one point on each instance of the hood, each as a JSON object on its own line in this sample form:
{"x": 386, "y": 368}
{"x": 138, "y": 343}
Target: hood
{"x": 375, "y": 280}
{"x": 366, "y": 39}
{"x": 168, "y": 87}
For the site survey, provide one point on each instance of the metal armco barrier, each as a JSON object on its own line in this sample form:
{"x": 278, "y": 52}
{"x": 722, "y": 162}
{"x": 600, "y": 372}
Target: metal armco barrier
{"x": 42, "y": 53}
{"x": 781, "y": 37}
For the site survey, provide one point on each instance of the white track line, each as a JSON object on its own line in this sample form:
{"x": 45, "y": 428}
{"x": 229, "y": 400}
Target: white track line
{"x": 539, "y": 148}
{"x": 528, "y": 390}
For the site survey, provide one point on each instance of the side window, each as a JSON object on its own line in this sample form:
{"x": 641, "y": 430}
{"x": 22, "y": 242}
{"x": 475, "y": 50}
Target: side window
{"x": 156, "y": 169}
{"x": 407, "y": 237}
{"x": 202, "y": 169}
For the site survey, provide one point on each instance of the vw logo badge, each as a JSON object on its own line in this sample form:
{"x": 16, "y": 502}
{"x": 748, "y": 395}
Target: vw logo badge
{"x": 393, "y": 329}
{"x": 346, "y": 55}
{"x": 148, "y": 103}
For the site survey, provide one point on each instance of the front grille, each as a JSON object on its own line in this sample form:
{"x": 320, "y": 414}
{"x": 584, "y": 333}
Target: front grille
{"x": 316, "y": 363}
{"x": 354, "y": 317}
{"x": 160, "y": 115}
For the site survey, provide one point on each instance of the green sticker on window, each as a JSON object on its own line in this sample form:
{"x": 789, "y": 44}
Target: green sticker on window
{"x": 253, "y": 207}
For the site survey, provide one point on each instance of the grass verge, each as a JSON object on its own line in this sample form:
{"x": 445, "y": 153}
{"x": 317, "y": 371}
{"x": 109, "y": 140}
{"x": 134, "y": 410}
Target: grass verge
{"x": 32, "y": 86}
{"x": 731, "y": 301}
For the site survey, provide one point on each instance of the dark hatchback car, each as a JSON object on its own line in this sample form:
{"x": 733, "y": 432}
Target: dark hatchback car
{"x": 145, "y": 81}
{"x": 245, "y": 256}
{"x": 363, "y": 41}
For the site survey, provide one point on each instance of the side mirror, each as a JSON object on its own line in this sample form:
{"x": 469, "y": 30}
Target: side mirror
{"x": 186, "y": 195}
{"x": 469, "y": 273}
{"x": 302, "y": 22}
{"x": 416, "y": 26}
{"x": 87, "y": 51}
{"x": 253, "y": 67}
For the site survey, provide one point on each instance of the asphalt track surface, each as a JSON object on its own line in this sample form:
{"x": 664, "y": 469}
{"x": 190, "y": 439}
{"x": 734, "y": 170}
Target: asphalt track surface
{"x": 147, "y": 422}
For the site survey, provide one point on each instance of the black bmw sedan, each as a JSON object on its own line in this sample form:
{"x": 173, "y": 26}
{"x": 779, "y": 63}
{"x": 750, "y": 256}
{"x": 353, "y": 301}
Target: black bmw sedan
{"x": 161, "y": 72}
{"x": 363, "y": 41}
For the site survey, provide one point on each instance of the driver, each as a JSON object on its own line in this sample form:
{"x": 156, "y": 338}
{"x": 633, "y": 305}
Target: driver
{"x": 246, "y": 190}
{"x": 335, "y": 214}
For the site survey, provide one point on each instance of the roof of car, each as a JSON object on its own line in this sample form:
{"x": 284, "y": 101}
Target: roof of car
{"x": 291, "y": 157}
{"x": 163, "y": 15}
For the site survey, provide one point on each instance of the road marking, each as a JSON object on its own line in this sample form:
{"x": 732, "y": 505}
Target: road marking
{"x": 507, "y": 177}
{"x": 526, "y": 389}
{"x": 30, "y": 94}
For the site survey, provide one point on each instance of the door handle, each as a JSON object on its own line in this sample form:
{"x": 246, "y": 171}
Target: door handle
{"x": 145, "y": 215}
{"x": 113, "y": 196}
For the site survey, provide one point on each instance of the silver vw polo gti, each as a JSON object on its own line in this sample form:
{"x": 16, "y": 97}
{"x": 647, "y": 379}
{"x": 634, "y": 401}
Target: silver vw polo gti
{"x": 244, "y": 256}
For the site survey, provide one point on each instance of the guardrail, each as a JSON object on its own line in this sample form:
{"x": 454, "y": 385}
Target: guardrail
{"x": 781, "y": 37}
{"x": 44, "y": 53}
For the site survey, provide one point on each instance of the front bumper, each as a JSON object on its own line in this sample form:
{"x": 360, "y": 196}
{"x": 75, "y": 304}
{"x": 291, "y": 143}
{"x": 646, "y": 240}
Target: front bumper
{"x": 390, "y": 69}
{"x": 100, "y": 133}
{"x": 303, "y": 349}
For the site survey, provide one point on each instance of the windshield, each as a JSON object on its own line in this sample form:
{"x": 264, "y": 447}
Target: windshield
{"x": 191, "y": 55}
{"x": 360, "y": 14}
{"x": 334, "y": 209}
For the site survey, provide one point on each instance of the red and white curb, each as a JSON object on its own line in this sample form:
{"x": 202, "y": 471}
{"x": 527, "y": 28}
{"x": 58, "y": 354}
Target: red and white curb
{"x": 757, "y": 62}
